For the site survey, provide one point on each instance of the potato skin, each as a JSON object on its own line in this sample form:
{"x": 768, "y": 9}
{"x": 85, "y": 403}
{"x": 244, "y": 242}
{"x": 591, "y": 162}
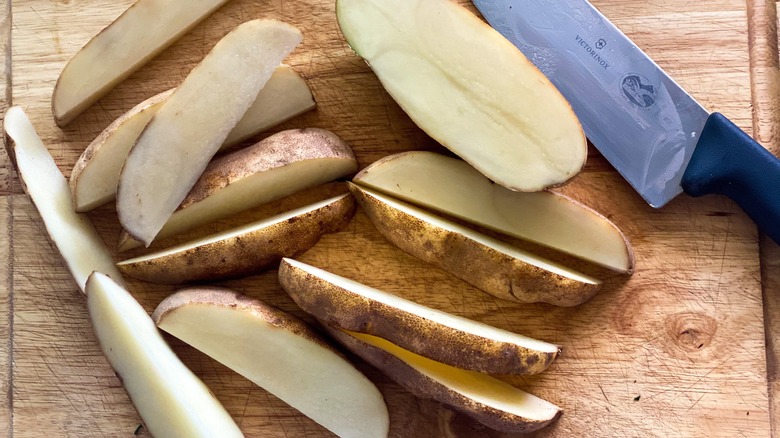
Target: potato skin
{"x": 485, "y": 268}
{"x": 244, "y": 254}
{"x": 425, "y": 387}
{"x": 338, "y": 307}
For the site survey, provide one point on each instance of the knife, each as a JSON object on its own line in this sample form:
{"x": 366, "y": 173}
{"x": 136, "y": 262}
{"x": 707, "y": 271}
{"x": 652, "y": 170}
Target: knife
{"x": 654, "y": 133}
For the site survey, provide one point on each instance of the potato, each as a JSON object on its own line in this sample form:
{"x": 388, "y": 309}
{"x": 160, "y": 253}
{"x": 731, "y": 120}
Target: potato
{"x": 279, "y": 353}
{"x": 171, "y": 400}
{"x": 346, "y": 304}
{"x": 72, "y": 233}
{"x": 486, "y": 263}
{"x": 469, "y": 88}
{"x": 275, "y": 167}
{"x": 186, "y": 132}
{"x": 135, "y": 37}
{"x": 490, "y": 401}
{"x": 426, "y": 179}
{"x": 95, "y": 176}
{"x": 244, "y": 250}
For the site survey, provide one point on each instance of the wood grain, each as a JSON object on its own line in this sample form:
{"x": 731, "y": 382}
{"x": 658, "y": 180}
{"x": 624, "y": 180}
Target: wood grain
{"x": 677, "y": 350}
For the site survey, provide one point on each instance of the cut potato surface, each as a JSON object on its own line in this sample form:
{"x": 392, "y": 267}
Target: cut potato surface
{"x": 488, "y": 264}
{"x": 461, "y": 342}
{"x": 426, "y": 179}
{"x": 469, "y": 88}
{"x": 277, "y": 166}
{"x": 95, "y": 176}
{"x": 488, "y": 400}
{"x": 279, "y": 353}
{"x": 72, "y": 233}
{"x": 244, "y": 250}
{"x": 171, "y": 400}
{"x": 135, "y": 37}
{"x": 186, "y": 132}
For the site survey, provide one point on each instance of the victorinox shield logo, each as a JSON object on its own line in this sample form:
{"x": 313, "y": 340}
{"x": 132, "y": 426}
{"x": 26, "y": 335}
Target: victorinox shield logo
{"x": 638, "y": 90}
{"x": 592, "y": 50}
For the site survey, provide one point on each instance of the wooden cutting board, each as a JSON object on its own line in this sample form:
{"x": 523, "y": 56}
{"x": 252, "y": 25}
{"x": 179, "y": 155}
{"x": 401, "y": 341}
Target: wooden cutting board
{"x": 676, "y": 350}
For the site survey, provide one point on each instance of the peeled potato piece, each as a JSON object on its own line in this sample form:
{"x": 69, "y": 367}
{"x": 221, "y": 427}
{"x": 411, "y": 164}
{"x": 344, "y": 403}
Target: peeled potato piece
{"x": 488, "y": 400}
{"x": 244, "y": 250}
{"x": 186, "y": 132}
{"x": 95, "y": 176}
{"x": 469, "y": 88}
{"x": 461, "y": 342}
{"x": 279, "y": 353}
{"x": 426, "y": 179}
{"x": 145, "y": 29}
{"x": 171, "y": 400}
{"x": 72, "y": 233}
{"x": 277, "y": 166}
{"x": 489, "y": 264}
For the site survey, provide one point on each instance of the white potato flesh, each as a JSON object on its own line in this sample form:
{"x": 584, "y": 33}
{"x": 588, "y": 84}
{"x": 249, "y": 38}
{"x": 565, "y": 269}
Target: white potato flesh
{"x": 73, "y": 234}
{"x": 195, "y": 120}
{"x": 171, "y": 400}
{"x": 95, "y": 176}
{"x": 426, "y": 179}
{"x": 304, "y": 374}
{"x": 468, "y": 88}
{"x": 135, "y": 37}
{"x": 480, "y": 387}
{"x": 436, "y": 316}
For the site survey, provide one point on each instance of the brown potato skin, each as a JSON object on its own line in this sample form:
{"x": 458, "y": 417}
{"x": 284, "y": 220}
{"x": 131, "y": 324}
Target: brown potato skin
{"x": 245, "y": 254}
{"x": 338, "y": 307}
{"x": 424, "y": 387}
{"x": 489, "y": 270}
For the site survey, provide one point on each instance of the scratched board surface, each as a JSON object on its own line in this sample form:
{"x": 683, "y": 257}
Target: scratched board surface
{"x": 676, "y": 350}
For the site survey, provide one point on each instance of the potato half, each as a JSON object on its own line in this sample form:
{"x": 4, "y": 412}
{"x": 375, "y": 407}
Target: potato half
{"x": 279, "y": 353}
{"x": 95, "y": 176}
{"x": 339, "y": 302}
{"x": 244, "y": 250}
{"x": 426, "y": 179}
{"x": 490, "y": 401}
{"x": 489, "y": 264}
{"x": 145, "y": 29}
{"x": 277, "y": 166}
{"x": 469, "y": 88}
{"x": 171, "y": 400}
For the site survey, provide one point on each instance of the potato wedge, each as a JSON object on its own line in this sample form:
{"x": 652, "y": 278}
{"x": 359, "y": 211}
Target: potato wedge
{"x": 145, "y": 29}
{"x": 486, "y": 263}
{"x": 277, "y": 166}
{"x": 339, "y": 302}
{"x": 244, "y": 250}
{"x": 469, "y": 88}
{"x": 171, "y": 400}
{"x": 73, "y": 234}
{"x": 490, "y": 401}
{"x": 426, "y": 179}
{"x": 186, "y": 132}
{"x": 95, "y": 176}
{"x": 279, "y": 353}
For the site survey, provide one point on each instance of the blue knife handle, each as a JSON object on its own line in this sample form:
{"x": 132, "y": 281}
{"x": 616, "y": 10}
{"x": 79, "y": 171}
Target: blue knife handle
{"x": 727, "y": 161}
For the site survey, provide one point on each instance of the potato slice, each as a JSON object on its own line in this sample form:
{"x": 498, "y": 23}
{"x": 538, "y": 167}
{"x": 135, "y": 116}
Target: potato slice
{"x": 490, "y": 401}
{"x": 426, "y": 179}
{"x": 171, "y": 400}
{"x": 186, "y": 132}
{"x": 94, "y": 178}
{"x": 461, "y": 342}
{"x": 469, "y": 88}
{"x": 279, "y": 353}
{"x": 145, "y": 29}
{"x": 486, "y": 263}
{"x": 72, "y": 233}
{"x": 244, "y": 250}
{"x": 277, "y": 166}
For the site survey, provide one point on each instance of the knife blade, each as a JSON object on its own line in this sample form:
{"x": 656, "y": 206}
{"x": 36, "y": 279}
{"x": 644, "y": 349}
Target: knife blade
{"x": 649, "y": 128}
